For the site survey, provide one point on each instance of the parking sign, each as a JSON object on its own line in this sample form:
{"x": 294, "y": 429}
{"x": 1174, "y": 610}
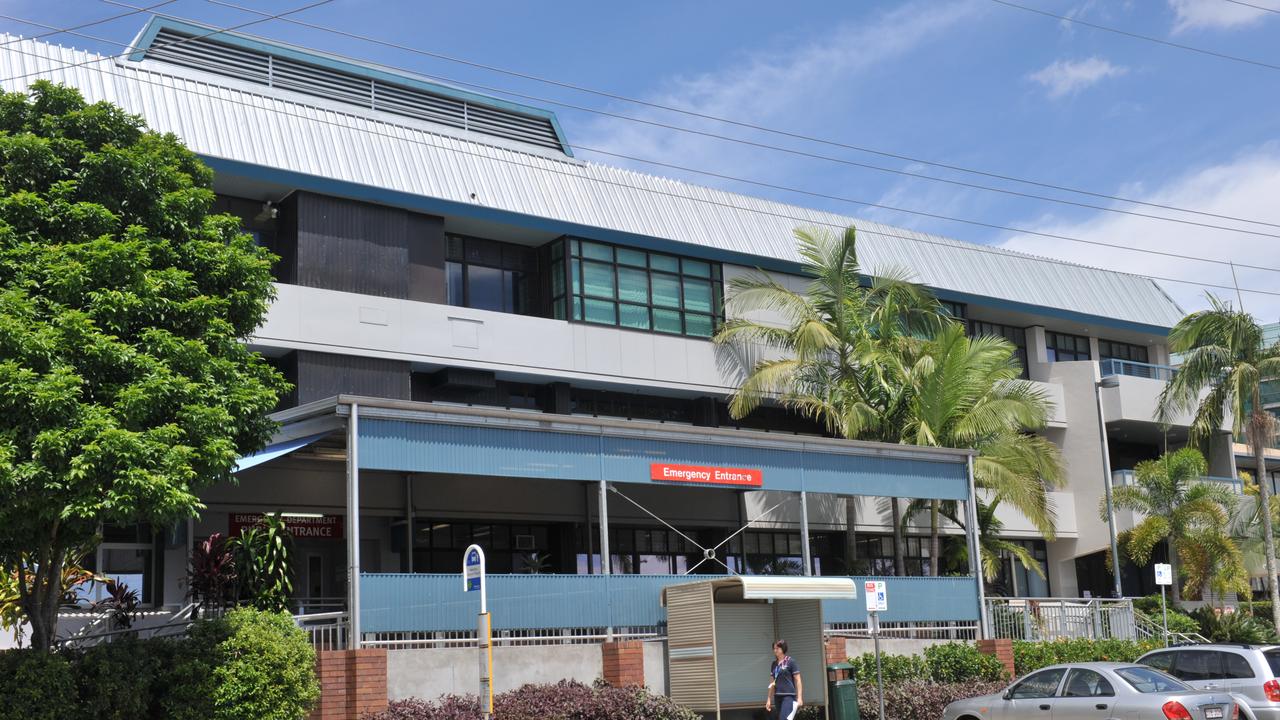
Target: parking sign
{"x": 877, "y": 596}
{"x": 1164, "y": 574}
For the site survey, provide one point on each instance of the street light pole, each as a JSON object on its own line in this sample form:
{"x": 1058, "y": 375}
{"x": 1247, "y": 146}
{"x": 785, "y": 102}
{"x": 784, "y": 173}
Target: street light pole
{"x": 1109, "y": 381}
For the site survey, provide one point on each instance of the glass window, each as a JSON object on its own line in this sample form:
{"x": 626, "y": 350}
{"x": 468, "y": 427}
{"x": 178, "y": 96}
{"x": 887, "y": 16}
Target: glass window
{"x": 1111, "y": 350}
{"x": 1160, "y": 661}
{"x": 1062, "y": 347}
{"x": 1087, "y": 683}
{"x": 1234, "y": 666}
{"x": 954, "y": 309}
{"x": 1038, "y": 685}
{"x": 654, "y": 292}
{"x": 633, "y": 316}
{"x": 697, "y": 295}
{"x": 1147, "y": 680}
{"x": 633, "y": 285}
{"x": 484, "y": 288}
{"x": 1193, "y": 665}
{"x": 131, "y": 567}
{"x": 597, "y": 279}
{"x": 666, "y": 290}
{"x": 665, "y": 263}
{"x": 454, "y": 283}
{"x": 603, "y": 312}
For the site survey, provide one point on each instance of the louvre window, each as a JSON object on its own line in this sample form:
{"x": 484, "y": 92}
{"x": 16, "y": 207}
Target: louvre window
{"x": 634, "y": 289}
{"x": 1111, "y": 350}
{"x": 1015, "y": 335}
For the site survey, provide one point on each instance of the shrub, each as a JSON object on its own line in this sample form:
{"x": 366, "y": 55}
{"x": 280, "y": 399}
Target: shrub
{"x": 265, "y": 668}
{"x": 959, "y": 662}
{"x": 189, "y": 682}
{"x": 1236, "y": 627}
{"x": 115, "y": 679}
{"x": 1029, "y": 656}
{"x": 36, "y": 685}
{"x": 919, "y": 700}
{"x": 565, "y": 699}
{"x": 1179, "y": 622}
{"x": 894, "y": 668}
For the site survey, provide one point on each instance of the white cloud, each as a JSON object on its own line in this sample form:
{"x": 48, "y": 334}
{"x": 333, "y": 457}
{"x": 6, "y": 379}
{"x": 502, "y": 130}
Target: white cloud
{"x": 772, "y": 88}
{"x": 1245, "y": 187}
{"x": 1217, "y": 14}
{"x": 1065, "y": 77}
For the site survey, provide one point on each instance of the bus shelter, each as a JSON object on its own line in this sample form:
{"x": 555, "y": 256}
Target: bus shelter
{"x": 720, "y": 635}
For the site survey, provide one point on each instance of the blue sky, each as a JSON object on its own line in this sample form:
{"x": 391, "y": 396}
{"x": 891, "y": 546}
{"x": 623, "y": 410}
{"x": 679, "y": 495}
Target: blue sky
{"x": 966, "y": 82}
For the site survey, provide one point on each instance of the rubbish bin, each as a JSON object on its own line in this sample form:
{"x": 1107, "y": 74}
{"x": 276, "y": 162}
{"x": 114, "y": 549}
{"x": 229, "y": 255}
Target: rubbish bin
{"x": 842, "y": 692}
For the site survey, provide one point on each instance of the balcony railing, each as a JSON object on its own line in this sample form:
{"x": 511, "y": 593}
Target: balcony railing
{"x": 1120, "y": 478}
{"x": 1112, "y": 366}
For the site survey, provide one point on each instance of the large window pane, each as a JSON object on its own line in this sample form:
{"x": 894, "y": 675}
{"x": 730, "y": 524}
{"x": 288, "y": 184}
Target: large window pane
{"x": 601, "y": 311}
{"x": 557, "y": 279}
{"x": 597, "y": 279}
{"x": 633, "y": 285}
{"x": 666, "y": 290}
{"x": 698, "y": 325}
{"x": 455, "y": 284}
{"x": 667, "y": 321}
{"x": 697, "y": 295}
{"x": 485, "y": 284}
{"x": 634, "y": 316}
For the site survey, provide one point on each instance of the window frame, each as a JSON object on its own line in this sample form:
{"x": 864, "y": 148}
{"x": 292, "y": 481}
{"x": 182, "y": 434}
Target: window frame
{"x": 1102, "y": 679}
{"x": 1052, "y": 348}
{"x": 570, "y": 304}
{"x": 1002, "y": 330}
{"x": 517, "y": 273}
{"x": 1129, "y": 348}
{"x": 1012, "y": 694}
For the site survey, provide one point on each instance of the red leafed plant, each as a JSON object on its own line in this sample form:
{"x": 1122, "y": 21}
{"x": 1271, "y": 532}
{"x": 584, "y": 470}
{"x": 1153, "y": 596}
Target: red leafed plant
{"x": 212, "y": 580}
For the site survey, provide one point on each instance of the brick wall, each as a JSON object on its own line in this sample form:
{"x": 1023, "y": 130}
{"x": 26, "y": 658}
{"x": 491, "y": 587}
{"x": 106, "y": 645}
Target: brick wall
{"x": 1002, "y": 648}
{"x": 623, "y": 662}
{"x": 835, "y": 651}
{"x": 353, "y": 683}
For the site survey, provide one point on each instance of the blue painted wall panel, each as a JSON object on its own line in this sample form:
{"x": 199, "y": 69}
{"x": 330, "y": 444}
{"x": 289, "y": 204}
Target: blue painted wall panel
{"x": 434, "y": 447}
{"x": 421, "y": 602}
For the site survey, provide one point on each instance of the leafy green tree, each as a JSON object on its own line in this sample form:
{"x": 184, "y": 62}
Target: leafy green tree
{"x": 966, "y": 393}
{"x": 1226, "y": 360}
{"x": 124, "y": 382}
{"x": 1189, "y": 514}
{"x": 991, "y": 546}
{"x": 827, "y": 354}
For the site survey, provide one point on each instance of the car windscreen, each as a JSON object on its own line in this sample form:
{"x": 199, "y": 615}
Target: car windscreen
{"x": 1148, "y": 680}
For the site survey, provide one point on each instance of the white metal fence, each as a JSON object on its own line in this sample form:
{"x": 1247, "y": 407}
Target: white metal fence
{"x": 1061, "y": 618}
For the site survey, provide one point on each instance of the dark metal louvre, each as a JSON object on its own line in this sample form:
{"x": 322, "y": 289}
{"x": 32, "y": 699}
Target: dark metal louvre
{"x": 264, "y": 68}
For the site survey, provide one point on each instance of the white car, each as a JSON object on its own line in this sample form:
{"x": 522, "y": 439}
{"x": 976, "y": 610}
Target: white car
{"x": 1099, "y": 691}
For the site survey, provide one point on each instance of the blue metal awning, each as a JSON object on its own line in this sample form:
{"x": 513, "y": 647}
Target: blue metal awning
{"x": 271, "y": 452}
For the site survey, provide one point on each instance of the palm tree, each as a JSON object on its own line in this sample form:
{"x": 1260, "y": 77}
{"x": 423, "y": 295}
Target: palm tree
{"x": 991, "y": 546}
{"x": 1190, "y": 514}
{"x": 823, "y": 354}
{"x": 1224, "y": 353}
{"x": 967, "y": 393}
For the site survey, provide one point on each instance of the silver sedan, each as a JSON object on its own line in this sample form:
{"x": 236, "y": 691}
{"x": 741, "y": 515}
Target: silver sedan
{"x": 1098, "y": 691}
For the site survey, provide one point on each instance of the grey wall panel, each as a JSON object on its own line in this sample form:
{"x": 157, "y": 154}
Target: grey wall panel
{"x": 322, "y": 375}
{"x": 426, "y": 258}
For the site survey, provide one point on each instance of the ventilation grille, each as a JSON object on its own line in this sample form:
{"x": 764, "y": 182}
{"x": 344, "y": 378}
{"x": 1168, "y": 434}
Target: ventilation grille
{"x": 274, "y": 71}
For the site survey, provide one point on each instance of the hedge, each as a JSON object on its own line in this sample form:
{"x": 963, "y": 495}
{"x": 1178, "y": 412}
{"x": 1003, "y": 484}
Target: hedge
{"x": 1029, "y": 656}
{"x": 918, "y": 699}
{"x": 565, "y": 699}
{"x": 251, "y": 664}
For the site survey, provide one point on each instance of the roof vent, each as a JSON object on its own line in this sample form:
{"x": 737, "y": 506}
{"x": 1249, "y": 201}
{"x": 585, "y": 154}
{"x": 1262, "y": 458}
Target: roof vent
{"x": 265, "y": 68}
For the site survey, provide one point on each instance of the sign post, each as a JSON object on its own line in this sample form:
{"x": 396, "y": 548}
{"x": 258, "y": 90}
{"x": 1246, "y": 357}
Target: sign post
{"x": 1164, "y": 578}
{"x": 877, "y": 602}
{"x": 473, "y": 580}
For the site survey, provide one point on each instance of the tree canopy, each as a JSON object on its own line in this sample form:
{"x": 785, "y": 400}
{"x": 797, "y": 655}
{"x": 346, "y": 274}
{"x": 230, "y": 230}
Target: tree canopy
{"x": 125, "y": 384}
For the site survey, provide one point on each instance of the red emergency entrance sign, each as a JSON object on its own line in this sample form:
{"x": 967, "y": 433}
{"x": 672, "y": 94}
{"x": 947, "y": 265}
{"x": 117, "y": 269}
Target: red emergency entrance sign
{"x": 325, "y": 526}
{"x": 666, "y": 472}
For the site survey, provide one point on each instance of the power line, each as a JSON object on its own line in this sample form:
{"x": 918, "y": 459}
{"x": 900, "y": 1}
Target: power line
{"x": 1138, "y": 36}
{"x": 131, "y": 48}
{"x": 81, "y": 26}
{"x": 1255, "y": 7}
{"x": 704, "y": 133}
{"x": 882, "y": 206}
{"x": 727, "y": 121}
{"x": 968, "y": 247}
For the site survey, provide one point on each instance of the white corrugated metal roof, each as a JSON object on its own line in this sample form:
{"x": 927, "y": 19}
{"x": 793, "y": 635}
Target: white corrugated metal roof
{"x": 221, "y": 118}
{"x": 782, "y": 587}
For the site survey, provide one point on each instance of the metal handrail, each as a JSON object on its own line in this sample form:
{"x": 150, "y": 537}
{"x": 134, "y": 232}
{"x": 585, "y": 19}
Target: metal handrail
{"x": 1113, "y": 366}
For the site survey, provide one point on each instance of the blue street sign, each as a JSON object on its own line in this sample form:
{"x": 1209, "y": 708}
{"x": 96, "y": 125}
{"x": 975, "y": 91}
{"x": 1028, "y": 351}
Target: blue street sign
{"x": 473, "y": 569}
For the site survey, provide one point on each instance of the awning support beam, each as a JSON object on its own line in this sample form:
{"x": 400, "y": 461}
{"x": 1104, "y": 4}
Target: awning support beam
{"x": 805, "y": 555}
{"x": 353, "y": 527}
{"x": 975, "y": 558}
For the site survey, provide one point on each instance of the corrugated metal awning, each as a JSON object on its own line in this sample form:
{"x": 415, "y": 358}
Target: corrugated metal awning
{"x": 782, "y": 587}
{"x": 271, "y": 452}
